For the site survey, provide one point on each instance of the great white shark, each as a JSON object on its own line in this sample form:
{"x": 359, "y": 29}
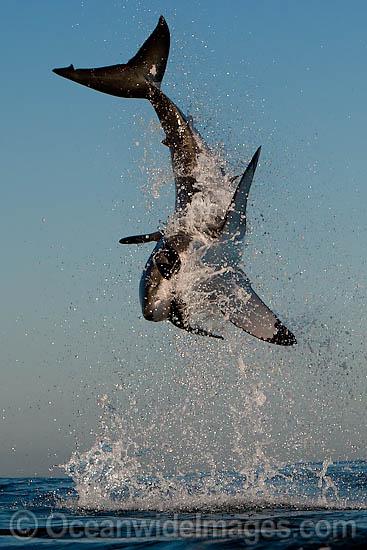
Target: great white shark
{"x": 225, "y": 285}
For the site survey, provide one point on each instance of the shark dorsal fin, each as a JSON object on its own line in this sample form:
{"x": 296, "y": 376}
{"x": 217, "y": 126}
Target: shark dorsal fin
{"x": 235, "y": 220}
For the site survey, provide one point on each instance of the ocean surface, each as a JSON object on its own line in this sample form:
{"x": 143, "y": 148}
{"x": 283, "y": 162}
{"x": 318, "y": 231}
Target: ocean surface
{"x": 300, "y": 506}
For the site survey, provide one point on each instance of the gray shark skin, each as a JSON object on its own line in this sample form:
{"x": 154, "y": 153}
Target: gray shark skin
{"x": 227, "y": 287}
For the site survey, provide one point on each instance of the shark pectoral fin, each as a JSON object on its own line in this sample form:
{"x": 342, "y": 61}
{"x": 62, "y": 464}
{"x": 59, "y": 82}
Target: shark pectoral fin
{"x": 177, "y": 318}
{"x": 141, "y": 239}
{"x": 253, "y": 316}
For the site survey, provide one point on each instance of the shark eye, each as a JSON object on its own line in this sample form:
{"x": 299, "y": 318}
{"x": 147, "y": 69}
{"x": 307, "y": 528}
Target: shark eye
{"x": 167, "y": 261}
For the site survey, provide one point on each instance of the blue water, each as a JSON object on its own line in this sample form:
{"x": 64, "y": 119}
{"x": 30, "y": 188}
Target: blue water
{"x": 301, "y": 506}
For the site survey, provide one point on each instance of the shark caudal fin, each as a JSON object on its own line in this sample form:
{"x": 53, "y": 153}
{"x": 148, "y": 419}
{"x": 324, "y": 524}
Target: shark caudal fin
{"x": 135, "y": 78}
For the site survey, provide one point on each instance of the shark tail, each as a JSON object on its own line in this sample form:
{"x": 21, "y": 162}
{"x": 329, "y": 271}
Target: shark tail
{"x": 134, "y": 79}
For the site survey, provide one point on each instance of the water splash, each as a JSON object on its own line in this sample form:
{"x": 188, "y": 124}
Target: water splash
{"x": 122, "y": 470}
{"x": 112, "y": 476}
{"x": 209, "y": 205}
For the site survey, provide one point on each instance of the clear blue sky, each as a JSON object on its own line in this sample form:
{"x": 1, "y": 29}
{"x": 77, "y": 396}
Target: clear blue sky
{"x": 78, "y": 169}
